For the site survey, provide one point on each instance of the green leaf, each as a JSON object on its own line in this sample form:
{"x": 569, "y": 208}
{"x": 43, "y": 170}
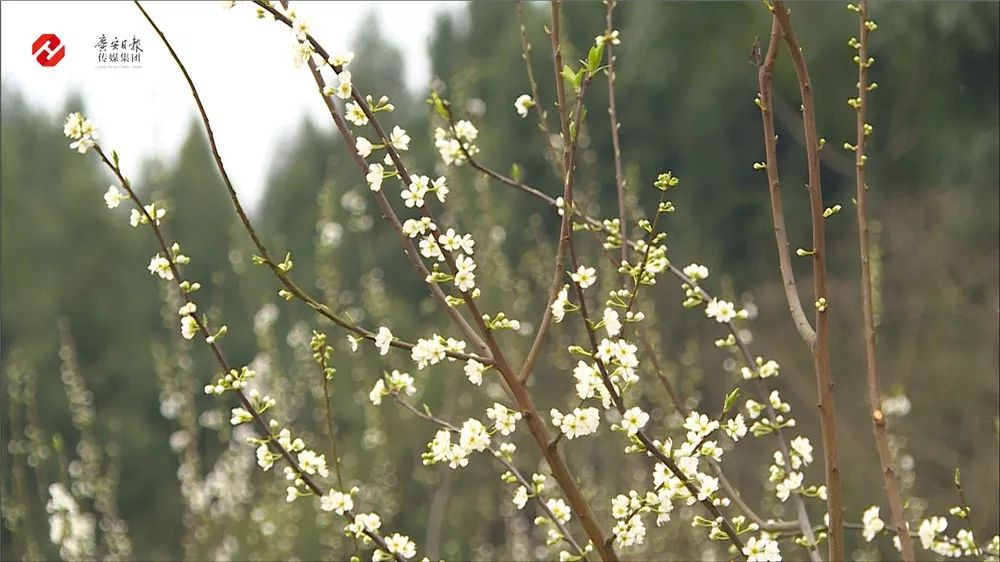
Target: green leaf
{"x": 516, "y": 172}
{"x": 594, "y": 58}
{"x": 730, "y": 400}
{"x": 440, "y": 106}
{"x": 569, "y": 75}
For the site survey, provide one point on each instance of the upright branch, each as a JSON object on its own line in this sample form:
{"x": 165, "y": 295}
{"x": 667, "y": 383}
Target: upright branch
{"x": 820, "y": 345}
{"x": 610, "y": 40}
{"x": 543, "y": 118}
{"x": 568, "y": 164}
{"x": 765, "y": 76}
{"x": 860, "y": 104}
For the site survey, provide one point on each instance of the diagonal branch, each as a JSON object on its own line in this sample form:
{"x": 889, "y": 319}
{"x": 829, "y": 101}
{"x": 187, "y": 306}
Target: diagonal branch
{"x": 506, "y": 464}
{"x": 282, "y": 275}
{"x": 258, "y": 420}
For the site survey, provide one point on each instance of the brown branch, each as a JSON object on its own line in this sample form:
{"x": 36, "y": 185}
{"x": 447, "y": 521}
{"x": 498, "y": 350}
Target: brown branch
{"x": 543, "y": 119}
{"x": 765, "y": 75}
{"x": 565, "y": 228}
{"x": 616, "y": 146}
{"x": 889, "y": 477}
{"x": 821, "y": 347}
{"x": 569, "y": 165}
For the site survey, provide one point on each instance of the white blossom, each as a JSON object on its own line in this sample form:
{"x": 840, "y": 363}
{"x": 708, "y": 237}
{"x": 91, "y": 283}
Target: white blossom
{"x": 189, "y": 327}
{"x": 761, "y": 550}
{"x": 137, "y": 217}
{"x": 612, "y": 323}
{"x": 312, "y": 463}
{"x": 160, "y": 265}
{"x": 399, "y": 139}
{"x": 588, "y": 380}
{"x": 344, "y": 87}
{"x": 559, "y": 509}
{"x": 791, "y": 483}
{"x": 354, "y": 114}
{"x": 474, "y": 371}
{"x": 696, "y": 272}
{"x": 503, "y": 418}
{"x": 466, "y": 131}
{"x": 612, "y": 38}
{"x": 421, "y": 226}
{"x": 239, "y": 416}
{"x": 337, "y": 501}
{"x": 383, "y": 340}
{"x": 374, "y": 176}
{"x": 363, "y": 147}
{"x": 441, "y": 189}
{"x": 873, "y": 524}
{"x": 302, "y": 53}
{"x": 634, "y": 419}
{"x": 584, "y": 276}
{"x": 559, "y": 305}
{"x": 803, "y": 448}
{"x": 930, "y": 529}
{"x": 520, "y": 497}
{"x": 377, "y": 392}
{"x": 401, "y": 545}
{"x": 522, "y": 104}
{"x": 363, "y": 522}
{"x": 342, "y": 59}
{"x": 113, "y": 197}
{"x": 473, "y": 435}
{"x": 722, "y": 311}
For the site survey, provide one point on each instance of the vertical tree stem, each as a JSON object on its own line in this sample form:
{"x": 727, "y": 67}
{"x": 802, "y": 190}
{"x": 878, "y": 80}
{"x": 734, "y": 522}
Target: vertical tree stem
{"x": 890, "y": 480}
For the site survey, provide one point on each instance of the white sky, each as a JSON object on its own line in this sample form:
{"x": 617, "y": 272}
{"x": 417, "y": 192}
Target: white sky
{"x": 242, "y": 67}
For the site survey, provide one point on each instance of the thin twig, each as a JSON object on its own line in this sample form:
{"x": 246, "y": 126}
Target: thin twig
{"x": 258, "y": 420}
{"x": 543, "y": 118}
{"x": 616, "y": 147}
{"x": 889, "y": 477}
{"x": 506, "y": 464}
{"x": 280, "y": 274}
{"x": 565, "y": 228}
{"x": 332, "y": 436}
{"x": 619, "y": 404}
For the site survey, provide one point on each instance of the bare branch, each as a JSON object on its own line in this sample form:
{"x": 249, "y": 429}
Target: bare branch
{"x": 890, "y": 480}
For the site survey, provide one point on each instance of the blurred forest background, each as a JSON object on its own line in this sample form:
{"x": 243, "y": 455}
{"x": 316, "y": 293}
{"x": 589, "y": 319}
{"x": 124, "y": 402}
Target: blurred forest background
{"x": 99, "y": 390}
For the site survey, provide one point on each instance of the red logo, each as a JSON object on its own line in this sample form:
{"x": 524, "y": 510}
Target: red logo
{"x": 48, "y": 49}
